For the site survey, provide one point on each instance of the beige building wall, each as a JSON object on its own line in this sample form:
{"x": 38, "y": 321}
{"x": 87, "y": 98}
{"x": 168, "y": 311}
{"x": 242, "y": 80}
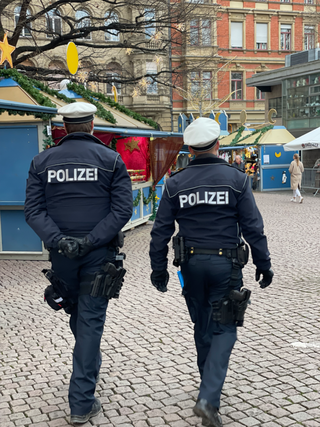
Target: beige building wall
{"x": 156, "y": 106}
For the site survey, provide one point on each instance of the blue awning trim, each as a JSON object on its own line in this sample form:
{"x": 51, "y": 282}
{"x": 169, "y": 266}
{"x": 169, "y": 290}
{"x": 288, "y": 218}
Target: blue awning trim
{"x": 124, "y": 132}
{"x": 11, "y": 105}
{"x": 8, "y": 82}
{"x": 70, "y": 94}
{"x": 233, "y": 147}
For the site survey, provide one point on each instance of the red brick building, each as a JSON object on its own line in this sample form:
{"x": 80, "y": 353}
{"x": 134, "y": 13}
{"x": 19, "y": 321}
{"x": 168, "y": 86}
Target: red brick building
{"x": 255, "y": 36}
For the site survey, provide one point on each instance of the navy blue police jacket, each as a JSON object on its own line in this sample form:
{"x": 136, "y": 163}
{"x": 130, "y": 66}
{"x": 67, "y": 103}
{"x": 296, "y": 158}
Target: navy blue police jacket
{"x": 78, "y": 188}
{"x": 213, "y": 204}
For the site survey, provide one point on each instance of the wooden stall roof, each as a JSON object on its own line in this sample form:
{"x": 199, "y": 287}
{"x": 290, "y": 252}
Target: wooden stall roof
{"x": 10, "y": 90}
{"x": 227, "y": 140}
{"x": 276, "y": 136}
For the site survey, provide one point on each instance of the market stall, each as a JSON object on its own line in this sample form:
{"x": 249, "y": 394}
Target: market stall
{"x": 29, "y": 126}
{"x": 266, "y": 161}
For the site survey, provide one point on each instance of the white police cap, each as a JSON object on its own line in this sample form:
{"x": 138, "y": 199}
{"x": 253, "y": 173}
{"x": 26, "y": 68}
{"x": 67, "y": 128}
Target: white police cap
{"x": 78, "y": 112}
{"x": 202, "y": 134}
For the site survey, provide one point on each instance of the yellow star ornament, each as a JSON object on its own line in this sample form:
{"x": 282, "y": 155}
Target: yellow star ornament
{"x": 6, "y": 51}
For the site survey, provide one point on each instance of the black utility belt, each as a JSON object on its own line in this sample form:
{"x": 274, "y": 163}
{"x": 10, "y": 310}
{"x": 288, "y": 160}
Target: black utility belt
{"x": 229, "y": 253}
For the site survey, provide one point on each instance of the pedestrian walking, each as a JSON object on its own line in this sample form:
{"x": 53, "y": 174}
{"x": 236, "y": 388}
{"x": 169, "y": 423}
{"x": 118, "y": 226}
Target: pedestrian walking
{"x": 211, "y": 201}
{"x": 296, "y": 170}
{"x": 238, "y": 163}
{"x": 78, "y": 198}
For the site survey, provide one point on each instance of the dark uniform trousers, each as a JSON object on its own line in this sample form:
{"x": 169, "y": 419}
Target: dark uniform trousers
{"x": 206, "y": 280}
{"x": 86, "y": 322}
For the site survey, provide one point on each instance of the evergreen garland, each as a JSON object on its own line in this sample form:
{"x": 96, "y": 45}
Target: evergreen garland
{"x": 154, "y": 206}
{"x": 113, "y": 144}
{"x": 80, "y": 90}
{"x": 26, "y": 113}
{"x": 258, "y": 132}
{"x": 89, "y": 96}
{"x": 32, "y": 87}
{"x": 238, "y": 135}
{"x": 48, "y": 140}
{"x": 136, "y": 201}
{"x": 147, "y": 200}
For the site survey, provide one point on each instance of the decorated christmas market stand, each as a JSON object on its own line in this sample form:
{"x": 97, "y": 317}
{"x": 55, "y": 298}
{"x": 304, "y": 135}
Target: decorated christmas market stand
{"x": 29, "y": 123}
{"x": 261, "y": 150}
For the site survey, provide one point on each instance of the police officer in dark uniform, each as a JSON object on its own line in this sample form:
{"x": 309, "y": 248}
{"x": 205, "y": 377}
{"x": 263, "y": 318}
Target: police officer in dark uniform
{"x": 211, "y": 201}
{"x": 78, "y": 198}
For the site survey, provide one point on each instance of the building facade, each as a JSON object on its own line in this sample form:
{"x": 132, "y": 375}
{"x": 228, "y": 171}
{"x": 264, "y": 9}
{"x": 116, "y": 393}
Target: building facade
{"x": 294, "y": 90}
{"x": 248, "y": 37}
{"x": 151, "y": 100}
{"x": 223, "y": 44}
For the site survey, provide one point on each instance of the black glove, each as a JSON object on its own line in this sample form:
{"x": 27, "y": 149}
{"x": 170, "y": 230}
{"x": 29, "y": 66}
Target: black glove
{"x": 160, "y": 279}
{"x": 85, "y": 246}
{"x": 267, "y": 276}
{"x": 69, "y": 247}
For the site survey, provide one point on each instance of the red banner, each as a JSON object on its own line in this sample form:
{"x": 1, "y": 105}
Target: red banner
{"x": 134, "y": 152}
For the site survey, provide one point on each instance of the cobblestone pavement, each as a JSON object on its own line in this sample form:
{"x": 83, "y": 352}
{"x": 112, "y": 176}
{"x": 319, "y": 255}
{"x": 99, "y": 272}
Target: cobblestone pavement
{"x": 149, "y": 375}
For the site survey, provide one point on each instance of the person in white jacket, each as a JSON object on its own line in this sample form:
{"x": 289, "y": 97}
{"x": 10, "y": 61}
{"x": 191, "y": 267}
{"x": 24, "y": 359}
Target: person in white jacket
{"x": 296, "y": 169}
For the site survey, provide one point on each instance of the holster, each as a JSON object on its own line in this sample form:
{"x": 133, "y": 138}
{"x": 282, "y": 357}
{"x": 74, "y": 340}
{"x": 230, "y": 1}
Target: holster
{"x": 243, "y": 254}
{"x": 231, "y": 309}
{"x": 56, "y": 294}
{"x": 107, "y": 282}
{"x": 180, "y": 250}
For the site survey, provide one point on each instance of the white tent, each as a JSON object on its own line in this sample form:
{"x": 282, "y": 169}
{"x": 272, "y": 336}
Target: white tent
{"x": 308, "y": 141}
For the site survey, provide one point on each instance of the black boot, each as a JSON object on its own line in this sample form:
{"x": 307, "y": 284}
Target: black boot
{"x": 210, "y": 415}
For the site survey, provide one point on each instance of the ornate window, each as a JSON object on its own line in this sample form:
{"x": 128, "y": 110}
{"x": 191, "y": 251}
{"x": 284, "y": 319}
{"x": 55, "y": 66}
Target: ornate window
{"x": 152, "y": 88}
{"x": 236, "y": 85}
{"x": 54, "y": 23}
{"x": 285, "y": 38}
{"x": 206, "y": 32}
{"x": 111, "y": 35}
{"x": 26, "y": 30}
{"x": 194, "y": 33}
{"x": 83, "y": 21}
{"x": 236, "y": 35}
{"x": 201, "y": 85}
{"x": 150, "y": 16}
{"x": 261, "y": 36}
{"x": 309, "y": 37}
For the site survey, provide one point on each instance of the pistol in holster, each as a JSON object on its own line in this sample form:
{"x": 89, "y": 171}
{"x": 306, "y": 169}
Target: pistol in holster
{"x": 108, "y": 281}
{"x": 180, "y": 251}
{"x": 57, "y": 294}
{"x": 231, "y": 309}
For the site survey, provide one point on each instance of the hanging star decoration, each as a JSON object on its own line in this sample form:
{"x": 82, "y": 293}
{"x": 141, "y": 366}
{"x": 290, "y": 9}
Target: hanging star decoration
{"x": 136, "y": 92}
{"x": 135, "y": 211}
{"x": 157, "y": 198}
{"x": 144, "y": 83}
{"x": 147, "y": 208}
{"x": 157, "y": 59}
{"x": 131, "y": 145}
{"x": 6, "y": 51}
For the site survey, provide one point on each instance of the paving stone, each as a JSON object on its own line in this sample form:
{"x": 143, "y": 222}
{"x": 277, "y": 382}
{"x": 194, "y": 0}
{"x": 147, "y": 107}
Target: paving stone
{"x": 149, "y": 375}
